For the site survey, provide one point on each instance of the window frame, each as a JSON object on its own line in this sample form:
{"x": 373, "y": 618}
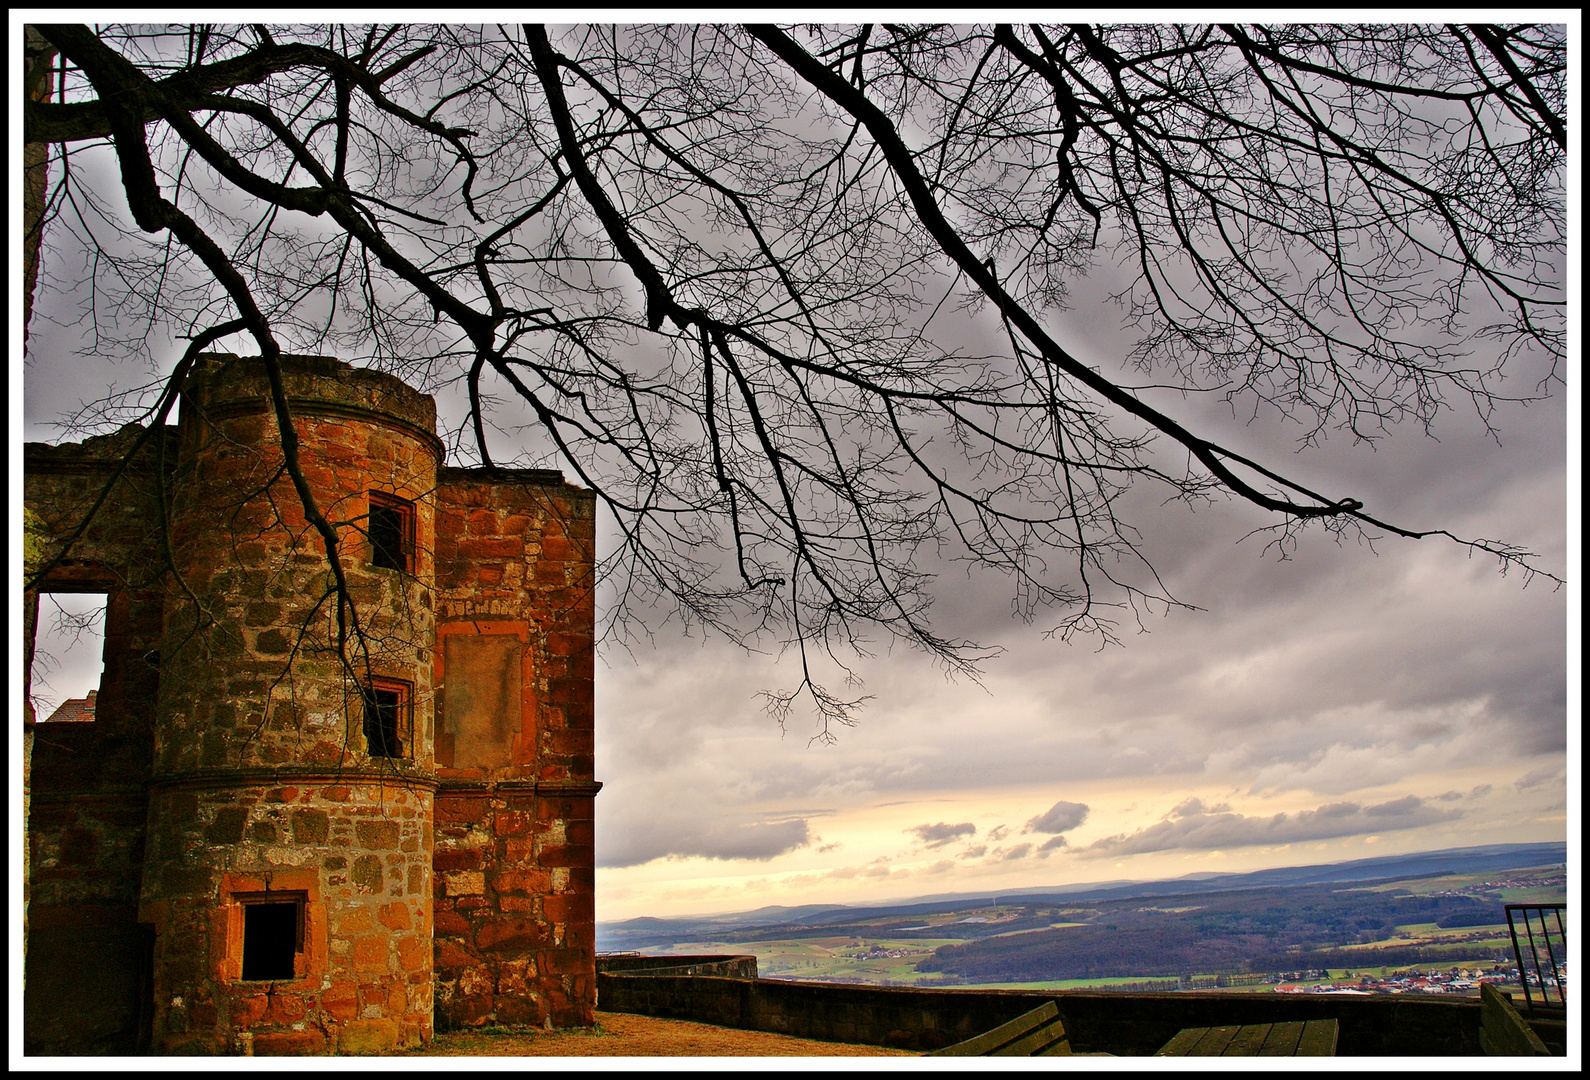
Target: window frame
{"x": 404, "y": 510}
{"x": 297, "y": 897}
{"x": 403, "y": 722}
{"x": 226, "y": 932}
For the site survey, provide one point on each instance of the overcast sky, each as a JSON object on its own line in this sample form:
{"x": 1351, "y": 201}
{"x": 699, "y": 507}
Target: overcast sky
{"x": 1342, "y": 703}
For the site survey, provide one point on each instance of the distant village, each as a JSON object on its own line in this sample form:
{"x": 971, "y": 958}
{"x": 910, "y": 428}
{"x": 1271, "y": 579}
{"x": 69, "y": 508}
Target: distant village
{"x": 1451, "y": 981}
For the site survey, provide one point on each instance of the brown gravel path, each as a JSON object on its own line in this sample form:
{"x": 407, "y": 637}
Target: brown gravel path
{"x": 628, "y": 1035}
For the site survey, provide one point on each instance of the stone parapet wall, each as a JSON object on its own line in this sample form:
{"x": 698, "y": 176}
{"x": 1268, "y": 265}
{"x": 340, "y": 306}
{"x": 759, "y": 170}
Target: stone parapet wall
{"x": 729, "y": 967}
{"x": 1122, "y": 1024}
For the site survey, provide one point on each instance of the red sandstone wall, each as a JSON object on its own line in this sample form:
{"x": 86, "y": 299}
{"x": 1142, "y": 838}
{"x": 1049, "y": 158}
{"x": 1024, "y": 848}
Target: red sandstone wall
{"x": 262, "y": 780}
{"x": 514, "y": 891}
{"x": 87, "y": 805}
{"x": 365, "y": 983}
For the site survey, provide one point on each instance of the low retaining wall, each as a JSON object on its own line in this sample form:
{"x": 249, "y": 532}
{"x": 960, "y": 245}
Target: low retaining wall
{"x": 1124, "y": 1024}
{"x": 728, "y": 967}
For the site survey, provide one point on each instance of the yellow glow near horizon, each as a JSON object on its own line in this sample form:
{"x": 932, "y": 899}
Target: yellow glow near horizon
{"x": 867, "y": 854}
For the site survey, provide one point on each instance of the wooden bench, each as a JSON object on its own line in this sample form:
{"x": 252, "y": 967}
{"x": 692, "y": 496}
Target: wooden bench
{"x": 1039, "y": 1032}
{"x": 1292, "y": 1038}
{"x": 1503, "y": 1032}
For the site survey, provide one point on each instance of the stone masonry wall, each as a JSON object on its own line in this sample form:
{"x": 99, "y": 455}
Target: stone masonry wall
{"x": 263, "y": 783}
{"x": 87, "y": 805}
{"x": 359, "y": 853}
{"x": 515, "y": 888}
{"x": 513, "y": 917}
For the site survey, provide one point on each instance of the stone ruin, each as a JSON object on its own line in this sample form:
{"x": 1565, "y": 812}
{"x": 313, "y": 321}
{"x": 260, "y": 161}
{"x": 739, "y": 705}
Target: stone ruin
{"x": 262, "y": 844}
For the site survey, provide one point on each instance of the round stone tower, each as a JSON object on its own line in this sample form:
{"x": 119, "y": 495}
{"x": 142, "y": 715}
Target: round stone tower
{"x": 288, "y": 865}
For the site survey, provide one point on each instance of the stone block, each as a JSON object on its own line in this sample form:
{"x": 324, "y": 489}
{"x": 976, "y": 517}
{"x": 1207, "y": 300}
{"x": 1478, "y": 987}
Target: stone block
{"x": 454, "y": 809}
{"x": 376, "y": 1036}
{"x": 340, "y": 1000}
{"x": 464, "y": 883}
{"x": 247, "y": 1010}
{"x": 508, "y": 934}
{"x": 285, "y": 1009}
{"x": 413, "y": 952}
{"x": 367, "y": 873}
{"x": 448, "y": 921}
{"x": 523, "y": 882}
{"x": 286, "y": 1043}
{"x": 227, "y": 826}
{"x": 450, "y": 957}
{"x": 370, "y": 953}
{"x": 491, "y": 548}
{"x": 310, "y": 826}
{"x": 455, "y": 859}
{"x": 377, "y": 835}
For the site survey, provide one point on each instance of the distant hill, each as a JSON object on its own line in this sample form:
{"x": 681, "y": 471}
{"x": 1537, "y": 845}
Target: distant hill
{"x": 778, "y": 921}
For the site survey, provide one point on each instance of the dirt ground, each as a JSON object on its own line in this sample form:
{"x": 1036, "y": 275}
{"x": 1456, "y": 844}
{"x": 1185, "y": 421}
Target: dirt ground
{"x": 627, "y": 1035}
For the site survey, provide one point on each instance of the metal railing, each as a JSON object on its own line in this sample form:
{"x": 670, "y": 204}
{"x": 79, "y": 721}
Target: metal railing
{"x": 1545, "y": 938}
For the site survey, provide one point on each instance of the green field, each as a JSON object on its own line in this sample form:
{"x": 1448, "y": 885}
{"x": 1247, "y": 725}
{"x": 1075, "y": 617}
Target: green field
{"x": 1361, "y": 936}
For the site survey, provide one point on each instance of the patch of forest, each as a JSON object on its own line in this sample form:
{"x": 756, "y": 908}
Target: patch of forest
{"x": 1247, "y": 930}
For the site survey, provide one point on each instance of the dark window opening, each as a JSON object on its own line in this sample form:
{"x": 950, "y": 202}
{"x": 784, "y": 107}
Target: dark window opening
{"x": 386, "y": 706}
{"x": 391, "y": 532}
{"x": 273, "y": 934}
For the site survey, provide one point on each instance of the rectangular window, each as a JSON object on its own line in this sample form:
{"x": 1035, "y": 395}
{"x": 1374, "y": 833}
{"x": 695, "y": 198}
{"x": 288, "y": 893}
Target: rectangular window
{"x": 391, "y": 532}
{"x": 68, "y": 657}
{"x": 387, "y": 717}
{"x": 273, "y": 935}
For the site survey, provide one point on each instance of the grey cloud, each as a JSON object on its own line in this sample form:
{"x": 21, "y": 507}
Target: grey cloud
{"x": 1061, "y": 817}
{"x": 1480, "y": 790}
{"x": 1018, "y": 852}
{"x": 759, "y": 841}
{"x": 1396, "y": 808}
{"x": 1201, "y": 831}
{"x": 1194, "y": 806}
{"x": 1449, "y": 796}
{"x": 998, "y": 832}
{"x": 1536, "y": 777}
{"x": 974, "y": 852}
{"x": 936, "y": 836}
{"x": 1054, "y": 843}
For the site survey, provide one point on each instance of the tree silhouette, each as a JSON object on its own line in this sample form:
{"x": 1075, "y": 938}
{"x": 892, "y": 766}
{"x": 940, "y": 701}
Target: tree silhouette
{"x": 708, "y": 266}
